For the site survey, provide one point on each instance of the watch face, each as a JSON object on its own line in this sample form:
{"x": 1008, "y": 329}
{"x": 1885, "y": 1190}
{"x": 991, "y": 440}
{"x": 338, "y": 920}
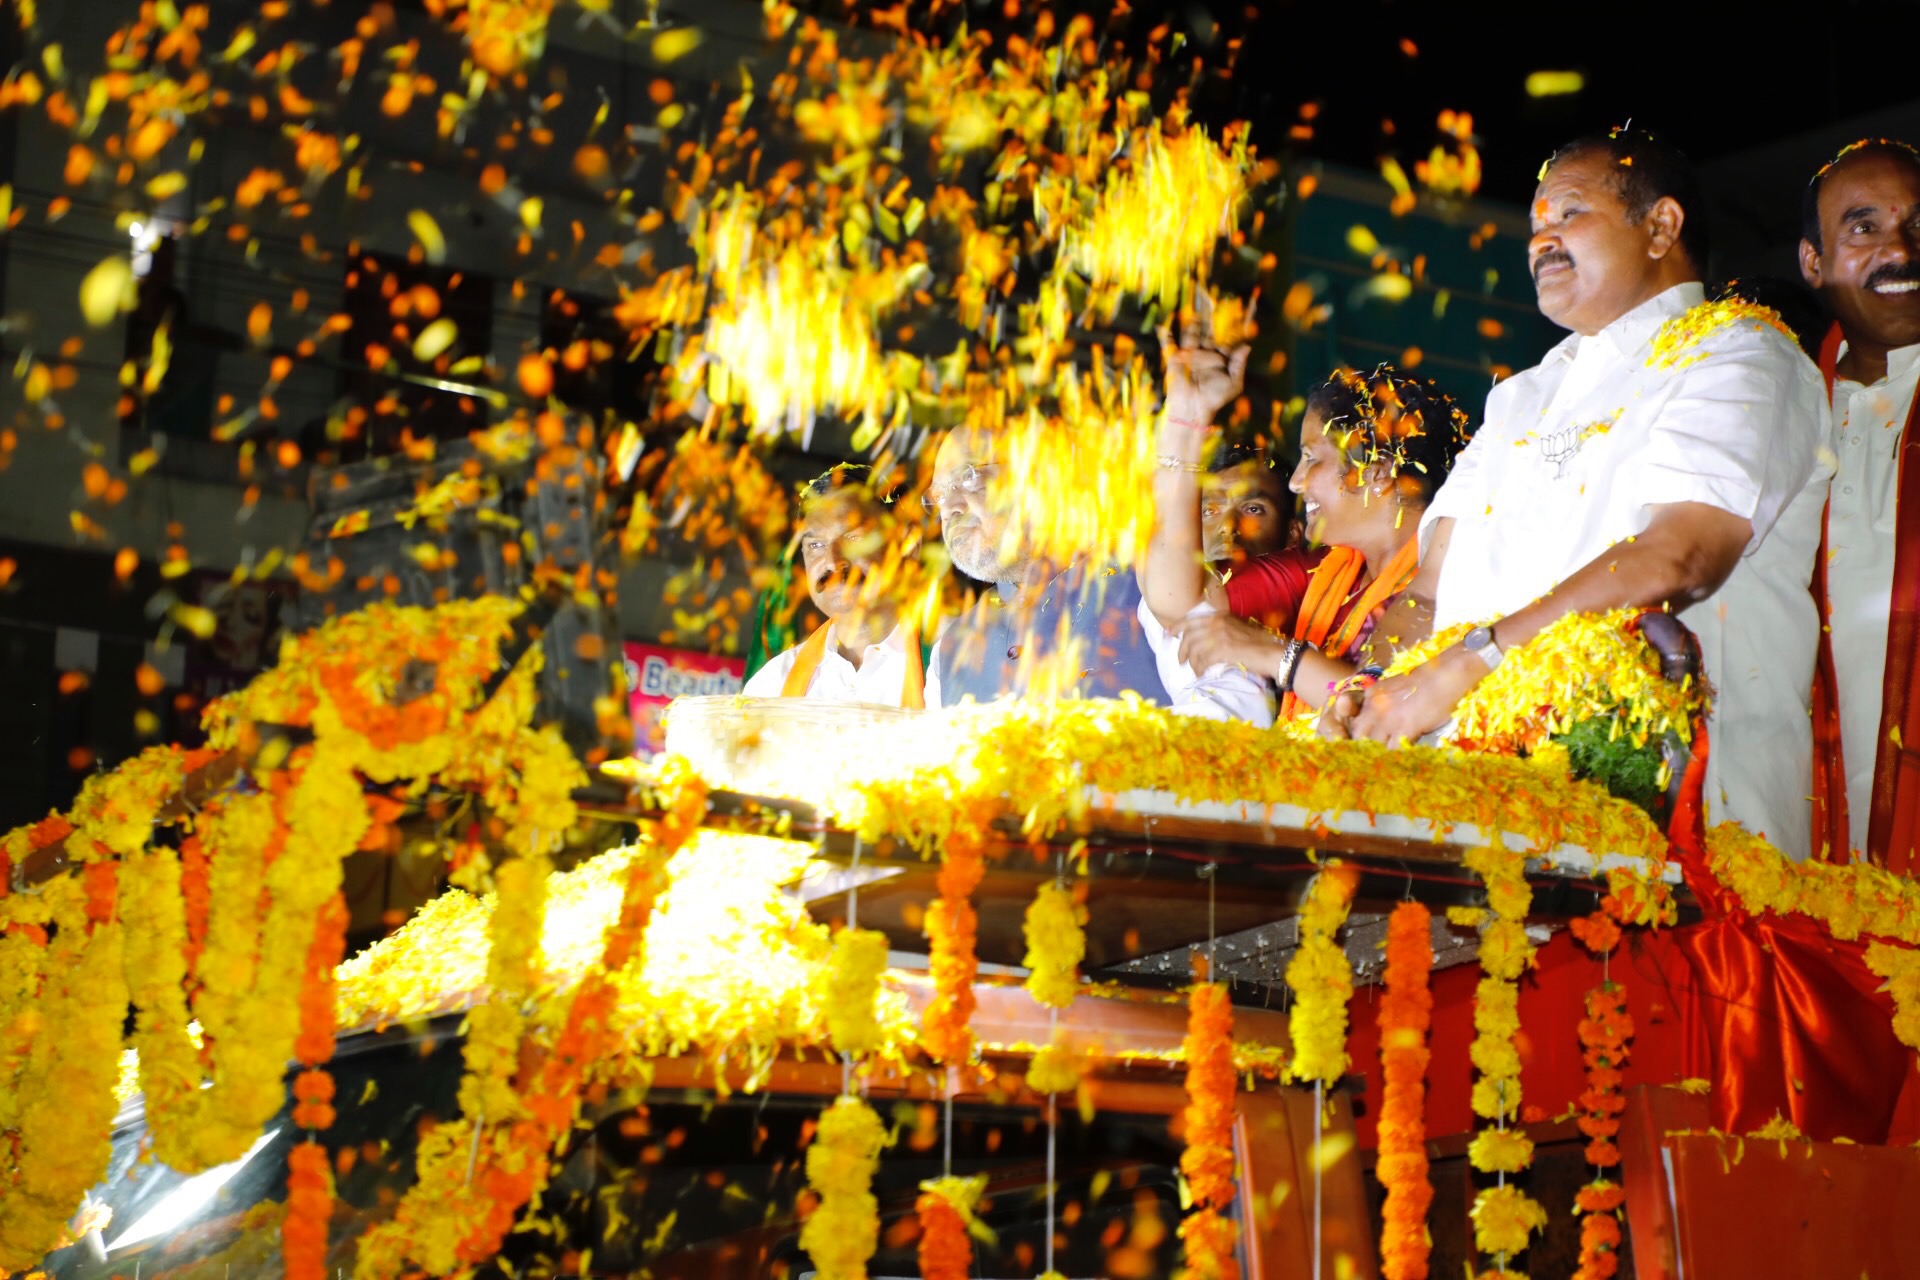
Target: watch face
{"x": 1478, "y": 638}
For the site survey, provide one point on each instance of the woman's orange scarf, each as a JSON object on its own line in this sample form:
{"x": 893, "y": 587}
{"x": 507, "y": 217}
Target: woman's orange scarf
{"x": 913, "y": 693}
{"x": 1331, "y": 586}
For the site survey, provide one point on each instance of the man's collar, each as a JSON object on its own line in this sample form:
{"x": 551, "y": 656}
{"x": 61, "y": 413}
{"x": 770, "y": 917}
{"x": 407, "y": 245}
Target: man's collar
{"x": 895, "y": 639}
{"x": 1902, "y": 361}
{"x": 1630, "y": 333}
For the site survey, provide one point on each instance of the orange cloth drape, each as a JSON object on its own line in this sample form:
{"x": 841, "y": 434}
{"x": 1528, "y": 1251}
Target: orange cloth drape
{"x": 913, "y": 692}
{"x": 1893, "y": 824}
{"x": 1322, "y": 623}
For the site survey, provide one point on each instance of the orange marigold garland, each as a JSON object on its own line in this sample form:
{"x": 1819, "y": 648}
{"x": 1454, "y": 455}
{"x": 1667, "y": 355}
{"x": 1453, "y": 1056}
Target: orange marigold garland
{"x": 1604, "y": 1034}
{"x": 945, "y": 1209}
{"x": 947, "y": 1031}
{"x": 1207, "y": 1162}
{"x": 303, "y": 1231}
{"x": 1406, "y": 1013}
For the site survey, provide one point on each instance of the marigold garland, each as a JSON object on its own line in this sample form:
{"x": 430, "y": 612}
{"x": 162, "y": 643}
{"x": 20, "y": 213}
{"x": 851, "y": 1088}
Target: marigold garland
{"x": 63, "y": 1131}
{"x": 1207, "y": 1160}
{"x": 945, "y": 1209}
{"x": 1406, "y": 1013}
{"x": 1503, "y": 1216}
{"x": 844, "y": 1228}
{"x": 853, "y": 975}
{"x": 947, "y": 1033}
{"x": 1582, "y": 667}
{"x": 304, "y": 1229}
{"x": 1604, "y": 1034}
{"x": 1056, "y": 944}
{"x": 1321, "y": 979}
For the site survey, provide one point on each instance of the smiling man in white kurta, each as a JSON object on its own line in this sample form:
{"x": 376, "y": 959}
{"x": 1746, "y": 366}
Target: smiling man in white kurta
{"x": 1860, "y": 248}
{"x": 1666, "y": 453}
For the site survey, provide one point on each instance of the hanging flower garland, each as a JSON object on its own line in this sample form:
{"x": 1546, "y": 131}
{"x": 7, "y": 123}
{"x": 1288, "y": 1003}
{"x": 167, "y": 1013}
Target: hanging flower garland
{"x": 844, "y": 1228}
{"x": 63, "y": 1135}
{"x": 1406, "y": 1013}
{"x": 951, "y": 925}
{"x": 304, "y": 1229}
{"x": 945, "y": 1208}
{"x": 1055, "y": 927}
{"x": 1503, "y": 1216}
{"x": 1321, "y": 979}
{"x": 1207, "y": 1161}
{"x": 853, "y": 975}
{"x": 1604, "y": 1034}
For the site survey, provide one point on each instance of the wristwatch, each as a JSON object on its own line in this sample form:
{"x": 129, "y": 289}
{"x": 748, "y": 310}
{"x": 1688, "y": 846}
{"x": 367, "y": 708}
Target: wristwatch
{"x": 1480, "y": 643}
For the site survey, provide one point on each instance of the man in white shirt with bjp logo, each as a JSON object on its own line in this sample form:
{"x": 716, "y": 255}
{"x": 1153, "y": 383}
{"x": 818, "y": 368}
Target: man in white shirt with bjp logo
{"x": 1669, "y": 452}
{"x": 865, "y": 651}
{"x": 1860, "y": 248}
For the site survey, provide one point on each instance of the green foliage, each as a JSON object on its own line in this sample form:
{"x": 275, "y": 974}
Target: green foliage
{"x": 1628, "y": 772}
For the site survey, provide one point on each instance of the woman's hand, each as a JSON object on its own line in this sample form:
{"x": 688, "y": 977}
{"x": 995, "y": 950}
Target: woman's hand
{"x": 1202, "y": 376}
{"x": 1214, "y": 638}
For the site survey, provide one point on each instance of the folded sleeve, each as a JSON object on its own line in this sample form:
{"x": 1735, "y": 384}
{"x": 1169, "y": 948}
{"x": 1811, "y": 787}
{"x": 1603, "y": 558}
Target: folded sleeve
{"x": 1741, "y": 430}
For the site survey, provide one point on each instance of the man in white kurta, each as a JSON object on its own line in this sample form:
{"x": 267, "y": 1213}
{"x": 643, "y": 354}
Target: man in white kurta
{"x": 1573, "y": 454}
{"x": 1860, "y": 248}
{"x": 1633, "y": 467}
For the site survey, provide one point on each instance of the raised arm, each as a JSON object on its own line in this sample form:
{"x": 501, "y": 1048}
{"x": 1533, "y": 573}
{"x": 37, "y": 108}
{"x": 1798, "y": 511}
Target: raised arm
{"x": 1202, "y": 378}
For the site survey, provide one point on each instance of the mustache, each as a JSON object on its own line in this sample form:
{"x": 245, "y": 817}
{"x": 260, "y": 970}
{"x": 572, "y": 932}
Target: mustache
{"x": 1551, "y": 258}
{"x": 1890, "y": 272}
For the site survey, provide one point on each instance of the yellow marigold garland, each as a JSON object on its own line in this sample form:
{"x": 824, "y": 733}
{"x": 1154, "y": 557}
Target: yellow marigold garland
{"x": 1207, "y": 1160}
{"x": 63, "y": 1134}
{"x": 844, "y": 1228}
{"x": 853, "y": 975}
{"x": 1406, "y": 1013}
{"x": 1503, "y": 1216}
{"x": 1321, "y": 979}
{"x": 1852, "y": 900}
{"x": 1581, "y": 667}
{"x": 1056, "y": 943}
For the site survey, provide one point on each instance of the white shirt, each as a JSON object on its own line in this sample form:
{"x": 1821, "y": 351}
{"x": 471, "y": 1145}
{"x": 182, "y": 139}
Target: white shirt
{"x": 1868, "y": 422}
{"x": 1572, "y": 455}
{"x": 880, "y": 677}
{"x": 1224, "y": 693}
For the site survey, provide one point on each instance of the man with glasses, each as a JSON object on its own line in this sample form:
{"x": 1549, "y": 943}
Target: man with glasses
{"x": 1042, "y": 630}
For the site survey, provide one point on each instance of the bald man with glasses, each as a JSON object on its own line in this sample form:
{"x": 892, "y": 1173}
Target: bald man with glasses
{"x": 1042, "y": 630}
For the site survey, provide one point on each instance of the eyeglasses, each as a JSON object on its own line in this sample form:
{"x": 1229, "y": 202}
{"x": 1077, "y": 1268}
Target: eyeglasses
{"x": 972, "y": 479}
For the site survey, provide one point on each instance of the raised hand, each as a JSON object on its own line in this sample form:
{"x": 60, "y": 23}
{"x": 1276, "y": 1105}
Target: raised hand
{"x": 1202, "y": 376}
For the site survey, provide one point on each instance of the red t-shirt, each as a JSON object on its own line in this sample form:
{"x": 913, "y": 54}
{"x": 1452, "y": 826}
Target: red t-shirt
{"x": 1268, "y": 589}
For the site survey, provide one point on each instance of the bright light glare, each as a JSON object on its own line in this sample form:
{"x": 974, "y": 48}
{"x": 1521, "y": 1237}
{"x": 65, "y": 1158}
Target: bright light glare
{"x": 187, "y": 1199}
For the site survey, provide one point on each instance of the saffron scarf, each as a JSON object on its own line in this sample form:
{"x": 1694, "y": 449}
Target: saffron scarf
{"x": 1331, "y": 587}
{"x": 1893, "y": 824}
{"x": 913, "y": 692}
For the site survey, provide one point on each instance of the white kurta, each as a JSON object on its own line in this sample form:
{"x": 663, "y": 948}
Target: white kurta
{"x": 1862, "y": 516}
{"x": 1575, "y": 451}
{"x": 1223, "y": 693}
{"x": 880, "y": 677}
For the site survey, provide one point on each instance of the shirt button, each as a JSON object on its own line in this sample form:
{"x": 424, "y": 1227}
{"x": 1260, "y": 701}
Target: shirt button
{"x": 1847, "y": 489}
{"x": 1013, "y": 650}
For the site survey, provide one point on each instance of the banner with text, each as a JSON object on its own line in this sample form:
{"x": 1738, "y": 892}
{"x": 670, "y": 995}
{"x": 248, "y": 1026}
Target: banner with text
{"x": 656, "y": 675}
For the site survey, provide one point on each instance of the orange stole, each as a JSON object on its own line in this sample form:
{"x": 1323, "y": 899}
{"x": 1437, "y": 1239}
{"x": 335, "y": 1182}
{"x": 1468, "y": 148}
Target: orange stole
{"x": 1330, "y": 587}
{"x": 913, "y": 692}
{"x": 1893, "y": 826}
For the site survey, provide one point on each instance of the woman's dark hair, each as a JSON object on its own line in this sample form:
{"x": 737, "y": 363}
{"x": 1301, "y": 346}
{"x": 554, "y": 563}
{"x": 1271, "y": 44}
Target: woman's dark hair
{"x": 1393, "y": 418}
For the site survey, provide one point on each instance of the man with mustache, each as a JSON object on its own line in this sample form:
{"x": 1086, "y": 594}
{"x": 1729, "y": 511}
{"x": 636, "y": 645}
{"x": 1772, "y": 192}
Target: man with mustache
{"x": 1666, "y": 454}
{"x": 1042, "y": 630}
{"x": 1860, "y": 249}
{"x": 864, "y": 652}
